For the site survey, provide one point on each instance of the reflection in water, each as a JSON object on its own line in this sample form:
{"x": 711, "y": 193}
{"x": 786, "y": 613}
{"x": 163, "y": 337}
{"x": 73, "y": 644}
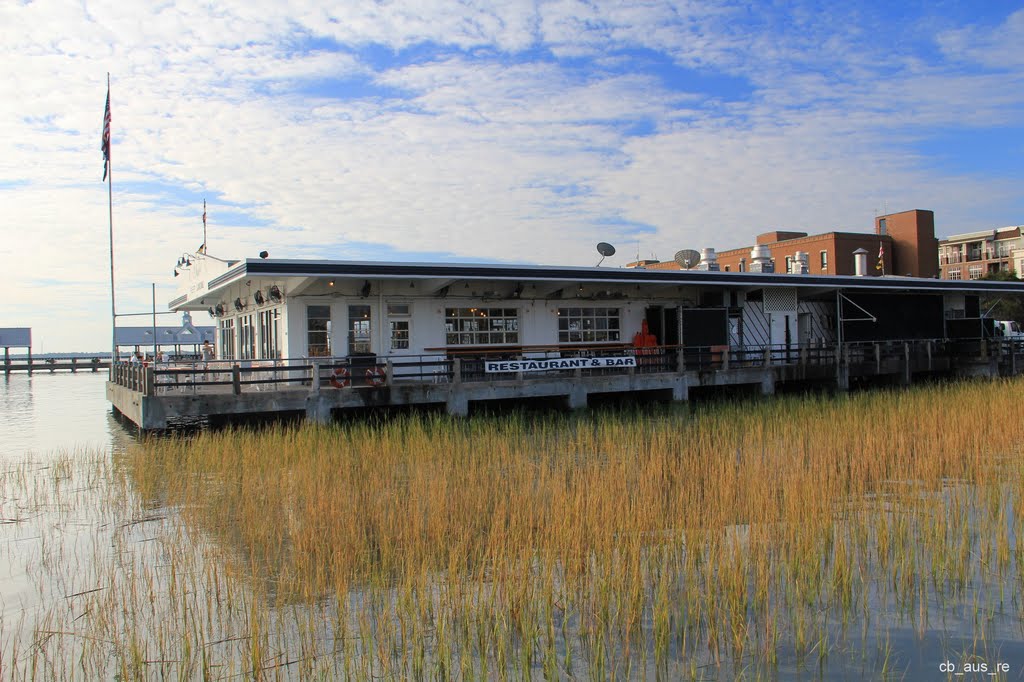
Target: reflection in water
{"x": 44, "y": 414}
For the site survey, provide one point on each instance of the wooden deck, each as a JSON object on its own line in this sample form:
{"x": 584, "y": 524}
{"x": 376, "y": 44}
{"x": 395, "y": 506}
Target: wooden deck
{"x": 155, "y": 397}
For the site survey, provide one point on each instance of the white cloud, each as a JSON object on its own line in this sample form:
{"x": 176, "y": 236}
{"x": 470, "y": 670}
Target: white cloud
{"x": 468, "y": 134}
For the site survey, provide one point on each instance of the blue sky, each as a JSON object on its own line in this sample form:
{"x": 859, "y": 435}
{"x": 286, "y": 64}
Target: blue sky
{"x": 506, "y": 131}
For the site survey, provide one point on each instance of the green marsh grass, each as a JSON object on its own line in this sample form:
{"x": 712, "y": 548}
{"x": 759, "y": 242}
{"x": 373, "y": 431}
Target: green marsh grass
{"x": 734, "y": 540}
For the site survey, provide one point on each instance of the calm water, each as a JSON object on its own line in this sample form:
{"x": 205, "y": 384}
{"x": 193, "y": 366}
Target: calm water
{"x": 44, "y": 414}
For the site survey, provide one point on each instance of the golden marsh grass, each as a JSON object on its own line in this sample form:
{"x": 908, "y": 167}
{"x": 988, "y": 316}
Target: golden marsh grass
{"x": 736, "y": 540}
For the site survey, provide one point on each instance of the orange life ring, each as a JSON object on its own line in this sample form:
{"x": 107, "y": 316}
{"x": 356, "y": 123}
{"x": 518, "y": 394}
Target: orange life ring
{"x": 340, "y": 378}
{"x": 375, "y": 376}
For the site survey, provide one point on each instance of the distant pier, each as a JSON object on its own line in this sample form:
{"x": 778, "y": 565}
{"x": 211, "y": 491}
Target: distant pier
{"x": 72, "y": 364}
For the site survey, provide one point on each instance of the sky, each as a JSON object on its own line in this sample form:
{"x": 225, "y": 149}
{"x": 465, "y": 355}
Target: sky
{"x": 467, "y": 131}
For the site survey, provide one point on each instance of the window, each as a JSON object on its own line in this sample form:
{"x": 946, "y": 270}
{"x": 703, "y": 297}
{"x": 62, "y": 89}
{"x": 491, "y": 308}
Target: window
{"x": 318, "y": 328}
{"x": 481, "y": 326}
{"x": 227, "y": 338}
{"x": 975, "y": 272}
{"x": 743, "y": 266}
{"x": 881, "y": 226}
{"x": 359, "y": 330}
{"x": 824, "y": 261}
{"x": 246, "y": 338}
{"x": 953, "y": 273}
{"x": 398, "y": 326}
{"x": 582, "y": 325}
{"x": 270, "y": 332}
{"x": 727, "y": 268}
{"x": 789, "y": 264}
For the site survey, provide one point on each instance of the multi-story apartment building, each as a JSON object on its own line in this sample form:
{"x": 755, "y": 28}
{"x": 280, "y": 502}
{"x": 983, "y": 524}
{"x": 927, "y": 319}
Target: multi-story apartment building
{"x": 973, "y": 255}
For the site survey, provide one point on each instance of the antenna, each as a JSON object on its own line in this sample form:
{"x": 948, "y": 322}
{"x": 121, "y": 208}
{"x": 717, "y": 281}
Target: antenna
{"x": 605, "y": 249}
{"x": 687, "y": 258}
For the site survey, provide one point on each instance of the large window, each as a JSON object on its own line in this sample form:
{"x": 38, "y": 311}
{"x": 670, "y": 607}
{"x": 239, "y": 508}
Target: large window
{"x": 953, "y": 273}
{"x": 270, "y": 331}
{"x": 824, "y": 261}
{"x": 227, "y": 338}
{"x": 975, "y": 272}
{"x": 318, "y": 330}
{"x": 359, "y": 329}
{"x": 246, "y": 337}
{"x": 481, "y": 326}
{"x": 583, "y": 325}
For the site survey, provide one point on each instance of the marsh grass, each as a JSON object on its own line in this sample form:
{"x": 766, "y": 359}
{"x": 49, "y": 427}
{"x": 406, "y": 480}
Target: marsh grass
{"x": 737, "y": 540}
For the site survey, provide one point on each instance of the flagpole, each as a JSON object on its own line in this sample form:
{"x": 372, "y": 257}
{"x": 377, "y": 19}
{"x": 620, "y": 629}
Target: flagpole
{"x": 110, "y": 212}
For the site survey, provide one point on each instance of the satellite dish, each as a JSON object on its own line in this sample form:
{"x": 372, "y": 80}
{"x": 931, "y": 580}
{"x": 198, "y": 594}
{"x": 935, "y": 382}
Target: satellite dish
{"x": 687, "y": 258}
{"x": 605, "y": 249}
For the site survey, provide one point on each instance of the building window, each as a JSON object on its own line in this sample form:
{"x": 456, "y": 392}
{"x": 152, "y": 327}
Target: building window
{"x": 227, "y": 338}
{"x": 318, "y": 331}
{"x": 881, "y": 226}
{"x": 246, "y": 338}
{"x": 824, "y": 261}
{"x": 975, "y": 272}
{"x": 481, "y": 326}
{"x": 743, "y": 266}
{"x": 270, "y": 333}
{"x": 789, "y": 264}
{"x": 398, "y": 326}
{"x": 594, "y": 325}
{"x": 726, "y": 268}
{"x": 359, "y": 330}
{"x": 953, "y": 273}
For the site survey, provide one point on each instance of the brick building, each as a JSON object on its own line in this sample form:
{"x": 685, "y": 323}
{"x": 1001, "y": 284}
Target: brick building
{"x": 907, "y": 242}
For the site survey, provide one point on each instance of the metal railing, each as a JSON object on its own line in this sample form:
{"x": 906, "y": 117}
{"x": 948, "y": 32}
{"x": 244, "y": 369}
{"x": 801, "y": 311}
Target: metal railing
{"x": 356, "y": 372}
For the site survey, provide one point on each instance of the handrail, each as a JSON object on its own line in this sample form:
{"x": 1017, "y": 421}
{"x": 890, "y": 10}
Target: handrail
{"x": 329, "y": 373}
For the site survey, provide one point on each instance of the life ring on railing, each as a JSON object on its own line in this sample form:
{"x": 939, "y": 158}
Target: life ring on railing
{"x": 375, "y": 376}
{"x": 340, "y": 378}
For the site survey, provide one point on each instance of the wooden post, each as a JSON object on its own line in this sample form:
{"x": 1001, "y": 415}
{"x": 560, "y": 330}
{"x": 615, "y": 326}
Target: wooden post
{"x": 149, "y": 387}
{"x": 7, "y": 360}
{"x": 457, "y": 371}
{"x": 236, "y": 379}
{"x": 314, "y": 383}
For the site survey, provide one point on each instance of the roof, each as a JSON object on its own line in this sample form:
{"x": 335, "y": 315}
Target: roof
{"x": 282, "y": 268}
{"x": 185, "y": 334}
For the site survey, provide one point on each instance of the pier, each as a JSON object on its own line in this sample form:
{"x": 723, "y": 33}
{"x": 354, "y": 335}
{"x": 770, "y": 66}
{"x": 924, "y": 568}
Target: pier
{"x": 157, "y": 397}
{"x": 74, "y": 363}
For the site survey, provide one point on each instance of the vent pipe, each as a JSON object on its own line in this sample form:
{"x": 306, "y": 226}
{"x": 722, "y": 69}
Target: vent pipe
{"x": 860, "y": 262}
{"x": 761, "y": 260}
{"x": 800, "y": 264}
{"x": 708, "y": 260}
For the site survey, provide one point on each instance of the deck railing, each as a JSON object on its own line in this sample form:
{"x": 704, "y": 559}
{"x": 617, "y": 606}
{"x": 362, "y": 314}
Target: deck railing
{"x": 357, "y": 372}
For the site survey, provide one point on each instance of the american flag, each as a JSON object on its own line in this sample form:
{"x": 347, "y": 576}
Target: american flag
{"x": 105, "y": 146}
{"x": 881, "y": 256}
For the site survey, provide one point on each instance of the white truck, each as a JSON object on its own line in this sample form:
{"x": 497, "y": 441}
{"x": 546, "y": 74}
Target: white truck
{"x": 1008, "y": 329}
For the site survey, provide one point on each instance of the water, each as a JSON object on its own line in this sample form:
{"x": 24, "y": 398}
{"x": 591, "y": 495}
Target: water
{"x": 61, "y": 557}
{"x": 45, "y": 414}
